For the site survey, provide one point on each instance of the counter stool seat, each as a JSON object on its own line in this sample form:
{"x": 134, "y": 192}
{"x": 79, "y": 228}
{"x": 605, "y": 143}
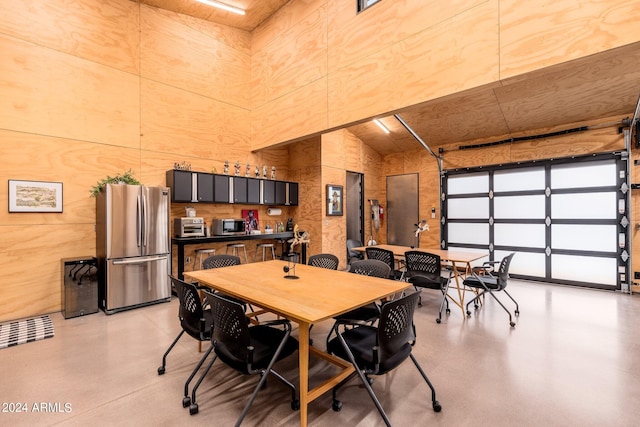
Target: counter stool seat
{"x": 265, "y": 247}
{"x": 235, "y": 247}
{"x": 200, "y": 256}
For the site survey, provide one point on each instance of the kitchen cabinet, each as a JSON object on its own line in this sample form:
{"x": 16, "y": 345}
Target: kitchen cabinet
{"x": 221, "y": 189}
{"x": 202, "y": 187}
{"x": 268, "y": 192}
{"x": 292, "y": 194}
{"x": 281, "y": 193}
{"x": 181, "y": 185}
{"x": 253, "y": 191}
{"x": 205, "y": 187}
{"x": 239, "y": 189}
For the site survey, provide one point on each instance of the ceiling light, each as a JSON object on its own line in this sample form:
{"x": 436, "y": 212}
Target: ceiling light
{"x": 381, "y": 126}
{"x": 223, "y": 6}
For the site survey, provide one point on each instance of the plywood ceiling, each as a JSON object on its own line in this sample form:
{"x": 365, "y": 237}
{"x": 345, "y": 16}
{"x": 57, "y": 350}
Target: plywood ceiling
{"x": 577, "y": 92}
{"x": 257, "y": 11}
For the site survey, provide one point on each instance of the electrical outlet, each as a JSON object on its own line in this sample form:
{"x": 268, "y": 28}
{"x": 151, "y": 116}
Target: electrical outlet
{"x": 187, "y": 260}
{"x": 636, "y": 274}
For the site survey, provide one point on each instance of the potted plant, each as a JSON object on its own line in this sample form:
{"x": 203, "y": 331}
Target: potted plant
{"x": 125, "y": 178}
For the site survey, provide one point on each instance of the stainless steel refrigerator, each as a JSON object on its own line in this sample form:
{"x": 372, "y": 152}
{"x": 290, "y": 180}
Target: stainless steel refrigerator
{"x": 132, "y": 246}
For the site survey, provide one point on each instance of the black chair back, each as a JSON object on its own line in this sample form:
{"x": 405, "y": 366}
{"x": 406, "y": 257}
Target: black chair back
{"x": 231, "y": 333}
{"x": 380, "y": 254}
{"x": 396, "y": 333}
{"x": 328, "y": 261}
{"x": 191, "y": 312}
{"x": 370, "y": 267}
{"x": 503, "y": 271}
{"x": 423, "y": 265}
{"x": 219, "y": 261}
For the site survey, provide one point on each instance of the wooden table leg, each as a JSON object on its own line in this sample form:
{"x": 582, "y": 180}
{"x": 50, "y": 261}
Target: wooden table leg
{"x": 303, "y": 352}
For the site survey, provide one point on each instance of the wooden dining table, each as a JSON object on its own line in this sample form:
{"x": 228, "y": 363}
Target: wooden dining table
{"x": 316, "y": 294}
{"x": 460, "y": 262}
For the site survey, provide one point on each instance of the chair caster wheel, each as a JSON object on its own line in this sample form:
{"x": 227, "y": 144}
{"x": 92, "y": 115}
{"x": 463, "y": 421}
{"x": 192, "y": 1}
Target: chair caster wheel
{"x": 186, "y": 401}
{"x": 370, "y": 380}
{"x": 161, "y": 370}
{"x": 517, "y": 313}
{"x": 475, "y": 307}
{"x": 436, "y": 406}
{"x": 468, "y": 314}
{"x": 438, "y": 321}
{"x": 193, "y": 409}
{"x": 336, "y": 406}
{"x": 513, "y": 324}
{"x": 448, "y": 311}
{"x": 295, "y": 405}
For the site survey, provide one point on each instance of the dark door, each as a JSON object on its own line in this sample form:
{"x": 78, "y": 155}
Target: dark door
{"x": 205, "y": 187}
{"x": 221, "y": 189}
{"x": 354, "y": 206}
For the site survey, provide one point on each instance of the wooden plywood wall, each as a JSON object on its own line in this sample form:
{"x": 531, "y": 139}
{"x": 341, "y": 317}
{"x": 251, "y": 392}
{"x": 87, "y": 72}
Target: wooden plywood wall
{"x": 406, "y": 52}
{"x": 91, "y": 89}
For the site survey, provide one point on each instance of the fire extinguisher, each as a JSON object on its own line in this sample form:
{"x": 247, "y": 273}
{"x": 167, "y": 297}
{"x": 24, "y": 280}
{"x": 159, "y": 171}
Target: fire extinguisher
{"x": 381, "y": 212}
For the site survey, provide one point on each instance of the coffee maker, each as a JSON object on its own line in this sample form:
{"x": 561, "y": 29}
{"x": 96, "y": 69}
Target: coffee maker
{"x": 290, "y": 224}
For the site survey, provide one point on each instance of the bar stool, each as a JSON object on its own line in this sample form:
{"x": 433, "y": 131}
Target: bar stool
{"x": 235, "y": 248}
{"x": 200, "y": 256}
{"x": 265, "y": 247}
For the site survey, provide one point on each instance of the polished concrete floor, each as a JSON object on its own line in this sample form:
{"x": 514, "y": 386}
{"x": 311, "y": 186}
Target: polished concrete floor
{"x": 572, "y": 360}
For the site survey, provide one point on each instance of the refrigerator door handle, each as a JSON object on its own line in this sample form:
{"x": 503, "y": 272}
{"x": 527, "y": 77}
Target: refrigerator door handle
{"x": 144, "y": 220}
{"x": 139, "y": 222}
{"x": 139, "y": 260}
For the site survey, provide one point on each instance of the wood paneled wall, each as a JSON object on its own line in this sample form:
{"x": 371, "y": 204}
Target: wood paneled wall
{"x": 93, "y": 88}
{"x": 405, "y": 52}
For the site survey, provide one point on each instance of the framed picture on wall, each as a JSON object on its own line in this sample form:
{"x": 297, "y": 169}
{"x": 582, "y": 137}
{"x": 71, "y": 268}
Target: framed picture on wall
{"x": 334, "y": 200}
{"x": 35, "y": 196}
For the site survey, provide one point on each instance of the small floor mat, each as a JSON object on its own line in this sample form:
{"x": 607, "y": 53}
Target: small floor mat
{"x": 23, "y": 331}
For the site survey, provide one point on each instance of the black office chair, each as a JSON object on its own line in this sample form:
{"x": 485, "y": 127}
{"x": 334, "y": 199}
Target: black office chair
{"x": 351, "y": 254}
{"x": 424, "y": 271}
{"x": 327, "y": 261}
{"x": 379, "y": 350}
{"x": 387, "y": 257}
{"x": 196, "y": 321}
{"x": 220, "y": 260}
{"x": 248, "y": 349}
{"x": 491, "y": 283}
{"x": 370, "y": 312}
{"x": 224, "y": 260}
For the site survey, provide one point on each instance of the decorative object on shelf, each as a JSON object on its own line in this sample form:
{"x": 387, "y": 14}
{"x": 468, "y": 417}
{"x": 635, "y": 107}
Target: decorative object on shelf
{"x": 125, "y": 178}
{"x": 226, "y": 167}
{"x": 298, "y": 239}
{"x": 251, "y": 220}
{"x": 273, "y": 172}
{"x": 422, "y": 226}
{"x": 264, "y": 171}
{"x": 237, "y": 168}
{"x": 247, "y": 171}
{"x": 214, "y": 170}
{"x": 334, "y": 200}
{"x": 257, "y": 173}
{"x": 35, "y": 196}
{"x": 182, "y": 166}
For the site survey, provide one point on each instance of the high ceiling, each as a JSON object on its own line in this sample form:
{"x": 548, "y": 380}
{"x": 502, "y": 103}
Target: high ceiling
{"x": 559, "y": 97}
{"x": 256, "y": 11}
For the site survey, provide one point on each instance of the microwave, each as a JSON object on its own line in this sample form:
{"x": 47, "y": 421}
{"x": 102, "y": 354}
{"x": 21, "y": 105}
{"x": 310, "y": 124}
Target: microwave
{"x": 228, "y": 227}
{"x": 188, "y": 227}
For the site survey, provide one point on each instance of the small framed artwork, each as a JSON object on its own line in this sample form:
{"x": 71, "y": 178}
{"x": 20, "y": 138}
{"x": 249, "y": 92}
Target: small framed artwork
{"x": 35, "y": 196}
{"x": 251, "y": 220}
{"x": 334, "y": 200}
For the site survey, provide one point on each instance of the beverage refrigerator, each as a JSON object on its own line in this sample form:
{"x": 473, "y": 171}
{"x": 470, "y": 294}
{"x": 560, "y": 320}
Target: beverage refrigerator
{"x": 132, "y": 246}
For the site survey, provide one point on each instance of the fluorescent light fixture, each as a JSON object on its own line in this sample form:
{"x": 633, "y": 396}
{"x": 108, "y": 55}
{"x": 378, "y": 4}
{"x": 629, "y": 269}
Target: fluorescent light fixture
{"x": 223, "y": 6}
{"x": 381, "y": 126}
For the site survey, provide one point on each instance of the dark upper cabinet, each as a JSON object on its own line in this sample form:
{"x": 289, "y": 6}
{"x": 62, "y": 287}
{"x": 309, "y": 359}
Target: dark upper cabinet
{"x": 281, "y": 193}
{"x": 181, "y": 185}
{"x": 268, "y": 192}
{"x": 253, "y": 191}
{"x": 239, "y": 189}
{"x": 221, "y": 189}
{"x": 292, "y": 193}
{"x": 205, "y": 187}
{"x": 191, "y": 187}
